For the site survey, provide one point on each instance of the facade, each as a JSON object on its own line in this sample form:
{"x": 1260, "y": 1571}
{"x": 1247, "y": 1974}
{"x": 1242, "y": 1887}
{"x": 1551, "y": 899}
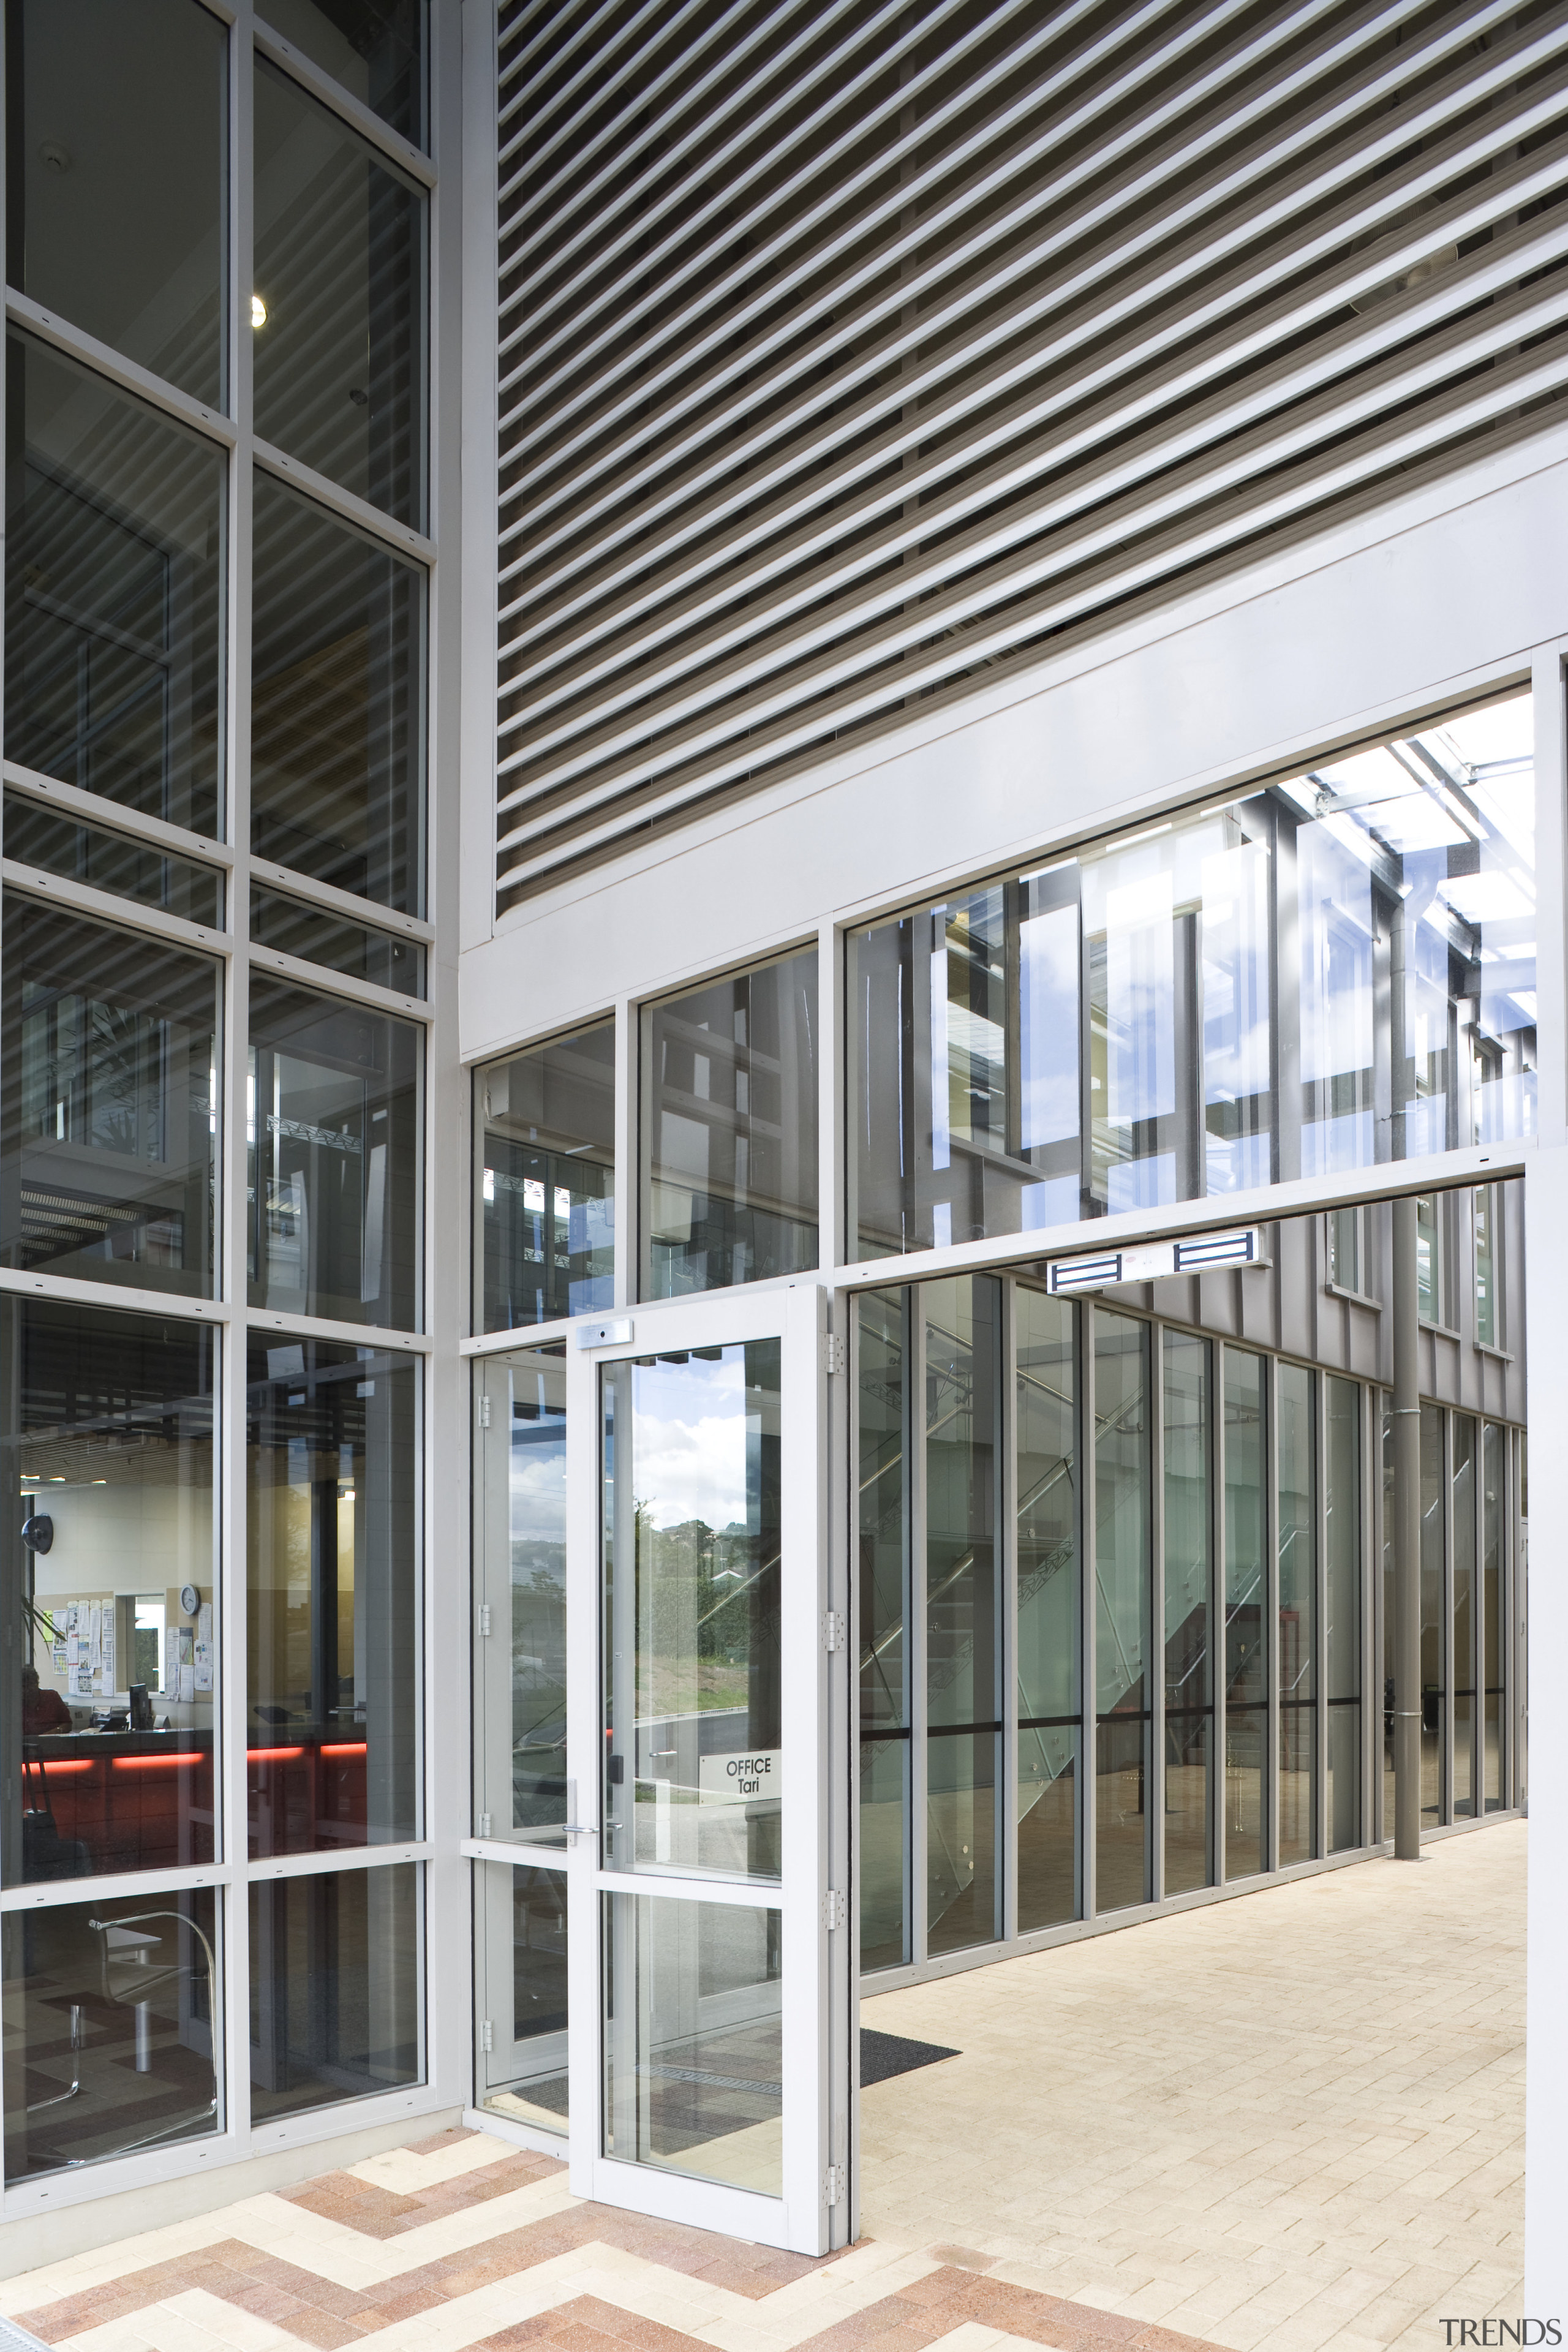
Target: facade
{"x": 807, "y": 752}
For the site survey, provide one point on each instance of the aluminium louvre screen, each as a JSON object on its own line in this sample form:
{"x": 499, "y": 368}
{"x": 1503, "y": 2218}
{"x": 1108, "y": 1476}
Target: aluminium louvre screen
{"x": 850, "y": 351}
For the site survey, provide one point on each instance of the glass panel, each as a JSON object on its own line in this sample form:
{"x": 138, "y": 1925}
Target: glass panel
{"x": 1189, "y": 1698}
{"x": 884, "y": 1852}
{"x": 1049, "y": 1714}
{"x": 1386, "y": 1410}
{"x": 522, "y": 2072}
{"x": 1433, "y": 1684}
{"x": 337, "y": 704}
{"x": 693, "y": 2038}
{"x": 1012, "y": 1074}
{"x": 115, "y": 198}
{"x": 546, "y": 1212}
{"x": 108, "y": 1103}
{"x": 1464, "y": 1651}
{"x": 335, "y": 1962}
{"x": 963, "y": 1887}
{"x": 1176, "y": 946}
{"x": 1121, "y": 1609}
{"x": 111, "y": 2039}
{"x": 964, "y": 1700}
{"x": 334, "y": 1159}
{"x": 338, "y": 310}
{"x": 1296, "y": 1652}
{"x": 331, "y": 939}
{"x": 56, "y": 844}
{"x": 1245, "y": 1686}
{"x": 332, "y": 1494}
{"x": 1431, "y": 1289}
{"x": 520, "y": 1684}
{"x": 1494, "y": 1756}
{"x": 694, "y": 1739}
{"x": 1488, "y": 1320}
{"x": 884, "y": 1691}
{"x": 114, "y": 593}
{"x": 107, "y": 1428}
{"x": 375, "y": 49}
{"x": 1341, "y": 1635}
{"x": 730, "y": 1131}
{"x": 1345, "y": 1247}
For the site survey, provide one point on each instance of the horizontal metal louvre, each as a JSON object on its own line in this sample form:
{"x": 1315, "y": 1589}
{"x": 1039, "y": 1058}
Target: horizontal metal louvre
{"x": 850, "y": 351}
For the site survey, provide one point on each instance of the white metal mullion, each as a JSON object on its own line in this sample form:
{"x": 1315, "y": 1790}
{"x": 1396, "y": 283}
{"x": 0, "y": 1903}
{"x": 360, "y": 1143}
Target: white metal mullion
{"x": 630, "y": 1206}
{"x": 391, "y": 145}
{"x": 595, "y": 443}
{"x": 345, "y": 504}
{"x": 126, "y": 914}
{"x": 1209, "y": 473}
{"x": 1321, "y": 1825}
{"x": 674, "y": 624}
{"x": 128, "y": 375}
{"x": 1154, "y": 1780}
{"x": 1154, "y": 66}
{"x": 322, "y": 980}
{"x": 1006, "y": 1843}
{"x": 812, "y": 166}
{"x": 1507, "y": 388}
{"x": 334, "y": 1859}
{"x": 367, "y": 912}
{"x": 350, "y": 1335}
{"x": 233, "y": 1529}
{"x": 1089, "y": 1597}
{"x": 1219, "y": 1586}
{"x": 111, "y": 817}
{"x": 1268, "y": 1522}
{"x": 1369, "y": 1649}
{"x": 134, "y": 1298}
{"x": 915, "y": 1626}
{"x": 969, "y": 389}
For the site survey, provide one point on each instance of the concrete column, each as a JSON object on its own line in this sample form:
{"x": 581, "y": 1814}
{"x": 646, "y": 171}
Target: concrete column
{"x": 1406, "y": 1540}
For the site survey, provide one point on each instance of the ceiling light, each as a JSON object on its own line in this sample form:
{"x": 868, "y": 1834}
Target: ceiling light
{"x": 258, "y": 312}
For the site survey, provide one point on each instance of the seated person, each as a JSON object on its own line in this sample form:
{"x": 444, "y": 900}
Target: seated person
{"x": 42, "y": 1710}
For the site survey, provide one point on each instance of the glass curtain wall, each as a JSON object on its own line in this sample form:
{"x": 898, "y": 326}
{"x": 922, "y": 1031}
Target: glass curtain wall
{"x": 1327, "y": 975}
{"x": 1227, "y": 1530}
{"x": 198, "y": 787}
{"x": 1471, "y": 1525}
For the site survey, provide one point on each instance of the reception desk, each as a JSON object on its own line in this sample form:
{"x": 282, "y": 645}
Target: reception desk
{"x": 99, "y": 1802}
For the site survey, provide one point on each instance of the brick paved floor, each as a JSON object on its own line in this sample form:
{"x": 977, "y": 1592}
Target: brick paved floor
{"x": 1289, "y": 2121}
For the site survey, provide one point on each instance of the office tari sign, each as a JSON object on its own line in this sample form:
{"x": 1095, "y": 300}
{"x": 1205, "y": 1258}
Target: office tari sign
{"x": 744, "y": 1780}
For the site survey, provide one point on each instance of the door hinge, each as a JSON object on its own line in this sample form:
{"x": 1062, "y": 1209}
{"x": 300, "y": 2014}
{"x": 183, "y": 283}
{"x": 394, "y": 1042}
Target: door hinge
{"x": 484, "y": 1824}
{"x": 832, "y": 1908}
{"x": 485, "y": 1619}
{"x": 833, "y": 2184}
{"x": 486, "y": 2034}
{"x": 833, "y": 1630}
{"x": 832, "y": 1352}
{"x": 484, "y": 1412}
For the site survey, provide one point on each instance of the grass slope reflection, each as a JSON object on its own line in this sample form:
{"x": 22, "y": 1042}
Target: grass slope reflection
{"x": 691, "y": 1604}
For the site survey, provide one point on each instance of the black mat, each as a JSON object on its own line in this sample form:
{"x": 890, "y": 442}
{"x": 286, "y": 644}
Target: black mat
{"x": 883, "y": 2055}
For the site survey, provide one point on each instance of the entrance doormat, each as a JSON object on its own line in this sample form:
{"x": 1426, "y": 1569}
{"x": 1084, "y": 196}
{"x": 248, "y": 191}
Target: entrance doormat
{"x": 883, "y": 2055}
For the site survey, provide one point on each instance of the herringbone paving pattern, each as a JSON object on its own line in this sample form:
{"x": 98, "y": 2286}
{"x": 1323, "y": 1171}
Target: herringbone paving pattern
{"x": 1287, "y": 2122}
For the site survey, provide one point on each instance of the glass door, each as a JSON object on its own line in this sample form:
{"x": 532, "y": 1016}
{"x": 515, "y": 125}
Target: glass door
{"x": 703, "y": 1931}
